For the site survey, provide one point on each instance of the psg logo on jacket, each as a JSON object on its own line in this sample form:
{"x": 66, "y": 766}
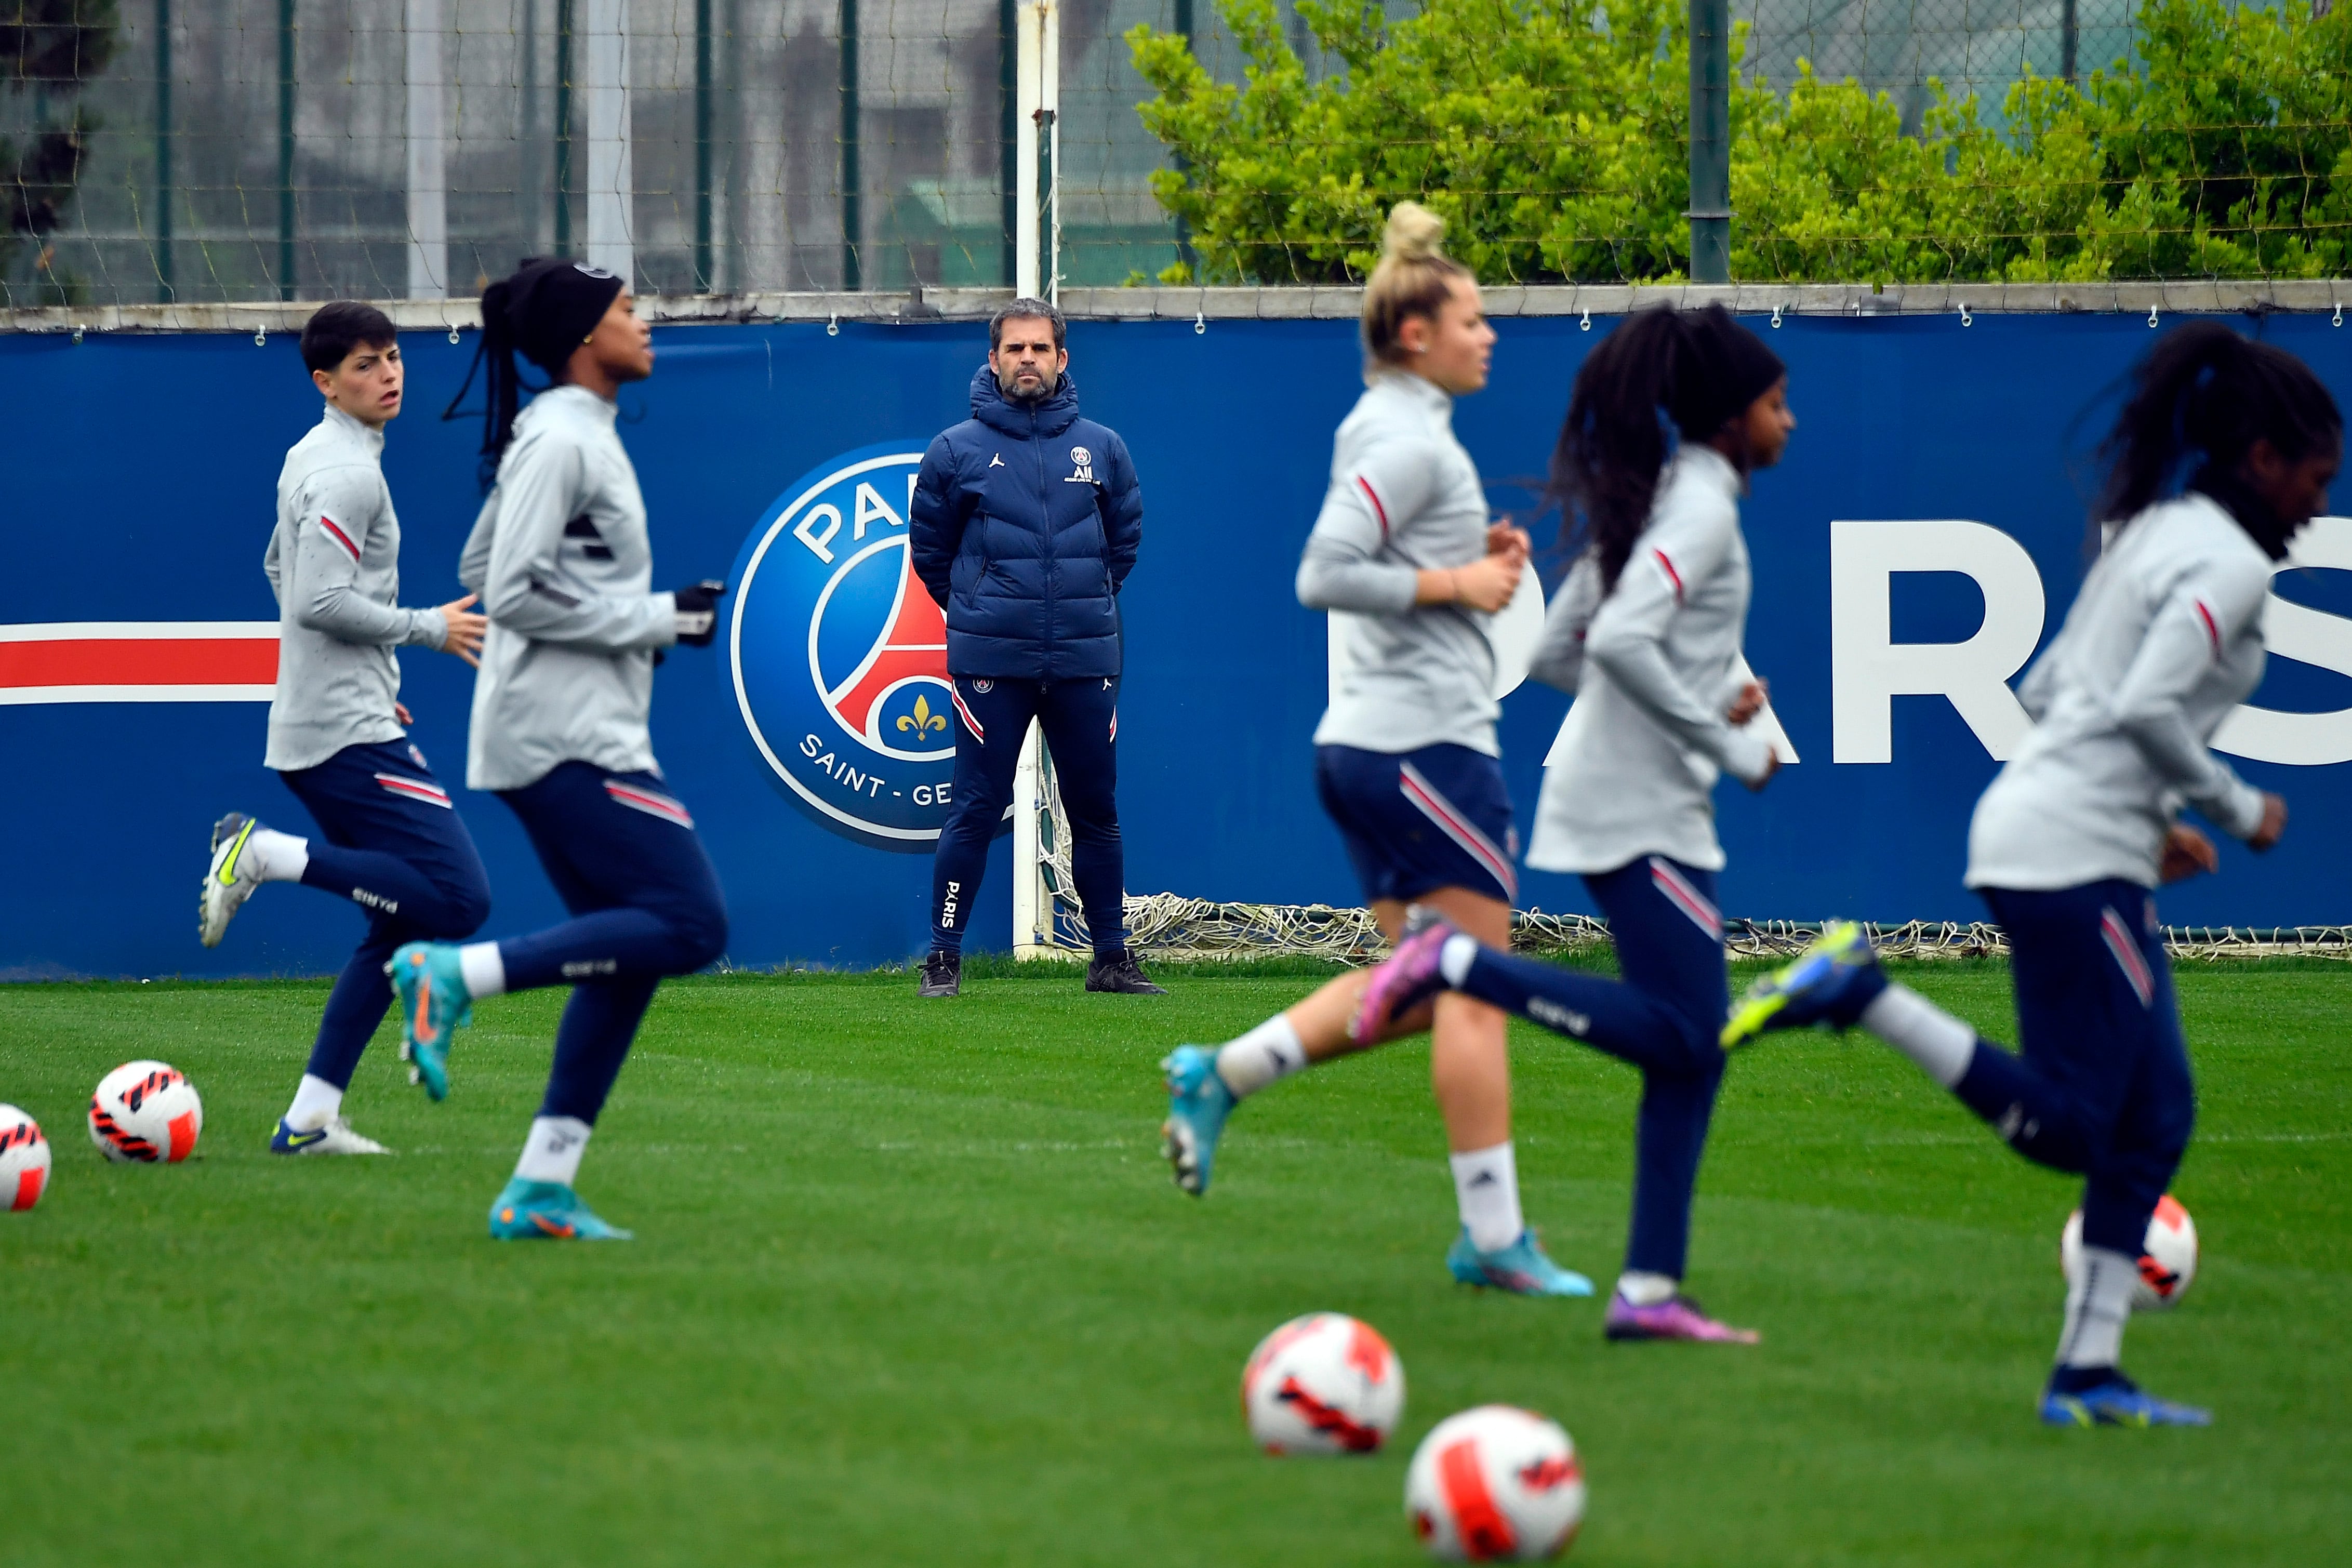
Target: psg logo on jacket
{"x": 837, "y": 655}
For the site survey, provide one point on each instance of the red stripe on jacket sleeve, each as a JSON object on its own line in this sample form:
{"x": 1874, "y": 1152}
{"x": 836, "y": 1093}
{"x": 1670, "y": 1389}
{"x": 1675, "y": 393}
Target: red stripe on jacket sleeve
{"x": 2212, "y": 631}
{"x": 340, "y": 537}
{"x": 1373, "y": 496}
{"x": 1671, "y": 575}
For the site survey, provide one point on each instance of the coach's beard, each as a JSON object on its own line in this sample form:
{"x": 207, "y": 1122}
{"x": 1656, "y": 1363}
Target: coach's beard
{"x": 1038, "y": 386}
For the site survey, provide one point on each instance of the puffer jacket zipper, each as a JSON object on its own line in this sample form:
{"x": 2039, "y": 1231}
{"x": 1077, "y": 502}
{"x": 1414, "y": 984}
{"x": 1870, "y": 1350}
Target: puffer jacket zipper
{"x": 1046, "y": 518}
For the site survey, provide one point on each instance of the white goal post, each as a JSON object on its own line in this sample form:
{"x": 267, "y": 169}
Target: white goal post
{"x": 1037, "y": 265}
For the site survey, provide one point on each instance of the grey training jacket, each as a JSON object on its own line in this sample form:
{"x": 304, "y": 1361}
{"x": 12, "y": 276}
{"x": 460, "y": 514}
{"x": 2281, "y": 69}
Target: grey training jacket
{"x": 1655, "y": 665}
{"x": 333, "y": 564}
{"x": 2164, "y": 640}
{"x": 1403, "y": 496}
{"x": 562, "y": 559}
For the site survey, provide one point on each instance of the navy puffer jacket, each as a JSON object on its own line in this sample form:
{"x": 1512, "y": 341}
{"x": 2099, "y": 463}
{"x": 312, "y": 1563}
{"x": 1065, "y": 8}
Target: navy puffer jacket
{"x": 1025, "y": 521}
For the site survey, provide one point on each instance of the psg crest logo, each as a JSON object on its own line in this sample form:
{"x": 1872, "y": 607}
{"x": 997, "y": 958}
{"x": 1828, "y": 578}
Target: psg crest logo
{"x": 837, "y": 655}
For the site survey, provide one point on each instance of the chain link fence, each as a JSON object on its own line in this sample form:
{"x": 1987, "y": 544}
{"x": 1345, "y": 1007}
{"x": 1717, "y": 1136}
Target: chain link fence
{"x": 299, "y": 150}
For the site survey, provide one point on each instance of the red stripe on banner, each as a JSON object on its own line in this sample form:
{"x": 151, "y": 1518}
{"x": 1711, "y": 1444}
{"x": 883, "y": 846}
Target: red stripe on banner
{"x": 141, "y": 661}
{"x": 1374, "y": 496}
{"x": 1671, "y": 575}
{"x": 2212, "y": 631}
{"x": 340, "y": 537}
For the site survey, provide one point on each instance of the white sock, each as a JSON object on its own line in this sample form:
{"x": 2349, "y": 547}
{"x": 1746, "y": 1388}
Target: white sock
{"x": 484, "y": 971}
{"x": 552, "y": 1152}
{"x": 1455, "y": 959}
{"x": 2096, "y": 1310}
{"x": 1487, "y": 1188}
{"x": 316, "y": 1103}
{"x": 1268, "y": 1054}
{"x": 1647, "y": 1289}
{"x": 277, "y": 857}
{"x": 1939, "y": 1043}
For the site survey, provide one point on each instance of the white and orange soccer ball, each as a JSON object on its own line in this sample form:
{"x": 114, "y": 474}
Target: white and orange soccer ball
{"x": 1497, "y": 1484}
{"x": 2167, "y": 1259}
{"x": 1323, "y": 1384}
{"x": 146, "y": 1114}
{"x": 23, "y": 1160}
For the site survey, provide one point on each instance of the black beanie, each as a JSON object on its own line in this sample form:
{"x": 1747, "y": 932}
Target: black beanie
{"x": 1720, "y": 367}
{"x": 544, "y": 312}
{"x": 550, "y": 306}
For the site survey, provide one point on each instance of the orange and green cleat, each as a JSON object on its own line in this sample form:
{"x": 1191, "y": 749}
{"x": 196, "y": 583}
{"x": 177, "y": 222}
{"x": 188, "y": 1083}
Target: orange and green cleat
{"x": 547, "y": 1211}
{"x": 434, "y": 1004}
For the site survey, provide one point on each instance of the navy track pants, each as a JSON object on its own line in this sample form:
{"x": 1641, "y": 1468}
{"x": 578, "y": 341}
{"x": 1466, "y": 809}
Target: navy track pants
{"x": 2101, "y": 1082}
{"x": 390, "y": 841}
{"x": 645, "y": 901}
{"x": 1664, "y": 1016}
{"x": 1079, "y": 718}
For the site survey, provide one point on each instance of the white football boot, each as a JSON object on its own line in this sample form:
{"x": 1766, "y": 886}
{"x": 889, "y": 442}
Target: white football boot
{"x": 335, "y": 1138}
{"x": 230, "y": 880}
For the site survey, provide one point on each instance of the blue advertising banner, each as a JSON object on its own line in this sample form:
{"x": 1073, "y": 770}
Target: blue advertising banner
{"x": 1922, "y": 539}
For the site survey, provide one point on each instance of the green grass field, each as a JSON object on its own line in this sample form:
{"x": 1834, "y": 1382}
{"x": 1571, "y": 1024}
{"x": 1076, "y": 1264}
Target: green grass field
{"x": 913, "y": 1287}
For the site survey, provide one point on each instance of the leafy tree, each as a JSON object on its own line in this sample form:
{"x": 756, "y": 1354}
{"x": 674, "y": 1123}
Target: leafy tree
{"x": 48, "y": 49}
{"x": 1553, "y": 136}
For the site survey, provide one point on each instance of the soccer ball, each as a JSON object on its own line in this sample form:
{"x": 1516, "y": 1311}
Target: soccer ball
{"x": 23, "y": 1159}
{"x": 1323, "y": 1384}
{"x": 2166, "y": 1264}
{"x": 1497, "y": 1484}
{"x": 144, "y": 1113}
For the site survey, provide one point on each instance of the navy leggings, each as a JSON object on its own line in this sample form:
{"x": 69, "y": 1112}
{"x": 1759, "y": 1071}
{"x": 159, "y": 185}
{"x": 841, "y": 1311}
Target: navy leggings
{"x": 1663, "y": 1016}
{"x": 2101, "y": 1083}
{"x": 623, "y": 855}
{"x": 390, "y": 841}
{"x": 1079, "y": 718}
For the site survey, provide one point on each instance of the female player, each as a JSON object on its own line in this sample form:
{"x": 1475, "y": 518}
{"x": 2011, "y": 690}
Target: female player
{"x": 1404, "y": 558}
{"x": 1646, "y": 632}
{"x": 2224, "y": 449}
{"x": 562, "y": 560}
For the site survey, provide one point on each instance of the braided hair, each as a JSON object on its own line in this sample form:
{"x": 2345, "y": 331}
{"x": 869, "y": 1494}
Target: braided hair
{"x": 544, "y": 311}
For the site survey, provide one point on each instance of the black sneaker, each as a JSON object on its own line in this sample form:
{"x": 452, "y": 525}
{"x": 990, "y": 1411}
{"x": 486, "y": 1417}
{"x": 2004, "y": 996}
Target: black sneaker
{"x": 1119, "y": 972}
{"x": 943, "y": 975}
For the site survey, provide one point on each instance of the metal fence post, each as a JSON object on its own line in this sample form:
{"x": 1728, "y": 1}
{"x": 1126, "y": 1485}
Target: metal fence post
{"x": 1710, "y": 141}
{"x": 853, "y": 221}
{"x": 285, "y": 149}
{"x": 164, "y": 293}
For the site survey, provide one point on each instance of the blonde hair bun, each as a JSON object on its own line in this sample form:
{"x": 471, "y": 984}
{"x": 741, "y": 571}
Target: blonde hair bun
{"x": 1414, "y": 234}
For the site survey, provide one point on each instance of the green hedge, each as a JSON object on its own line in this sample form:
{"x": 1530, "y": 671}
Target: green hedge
{"x": 1554, "y": 137}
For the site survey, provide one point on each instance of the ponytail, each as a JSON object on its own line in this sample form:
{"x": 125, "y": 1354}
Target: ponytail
{"x": 544, "y": 311}
{"x": 2199, "y": 401}
{"x": 1699, "y": 369}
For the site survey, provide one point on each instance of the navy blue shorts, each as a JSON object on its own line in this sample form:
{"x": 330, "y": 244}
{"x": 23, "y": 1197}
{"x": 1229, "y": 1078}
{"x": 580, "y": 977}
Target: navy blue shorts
{"x": 1419, "y": 821}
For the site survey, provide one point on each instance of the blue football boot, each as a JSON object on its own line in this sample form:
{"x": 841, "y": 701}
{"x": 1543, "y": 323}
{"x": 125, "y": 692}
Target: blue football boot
{"x": 1521, "y": 1268}
{"x": 2117, "y": 1402}
{"x": 1198, "y": 1104}
{"x": 548, "y": 1211}
{"x": 434, "y": 1004}
{"x": 1829, "y": 983}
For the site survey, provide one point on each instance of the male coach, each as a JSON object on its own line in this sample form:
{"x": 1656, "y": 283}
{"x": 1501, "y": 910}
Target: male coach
{"x": 1026, "y": 520}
